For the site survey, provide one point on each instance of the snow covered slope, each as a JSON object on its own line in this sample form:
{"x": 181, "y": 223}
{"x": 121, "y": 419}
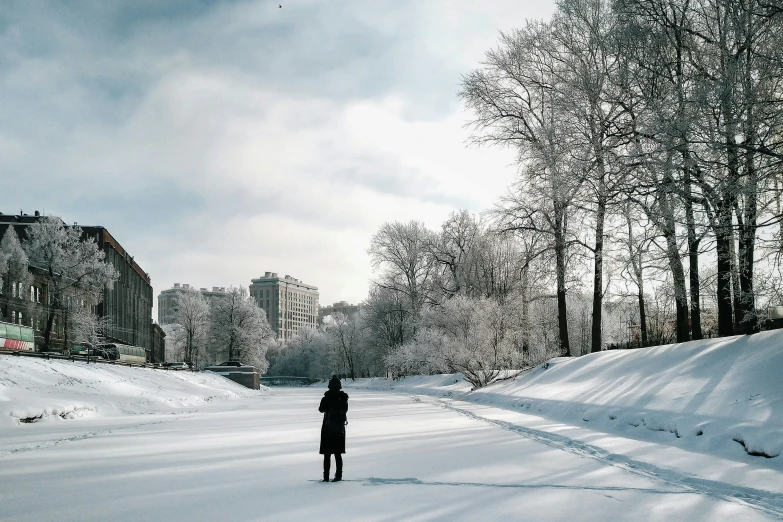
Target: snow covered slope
{"x": 39, "y": 390}
{"x": 718, "y": 396}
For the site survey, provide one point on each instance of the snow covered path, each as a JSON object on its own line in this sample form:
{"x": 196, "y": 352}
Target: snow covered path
{"x": 409, "y": 458}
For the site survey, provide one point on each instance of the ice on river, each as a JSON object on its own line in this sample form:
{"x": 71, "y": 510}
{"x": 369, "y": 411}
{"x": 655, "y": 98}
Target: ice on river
{"x": 256, "y": 459}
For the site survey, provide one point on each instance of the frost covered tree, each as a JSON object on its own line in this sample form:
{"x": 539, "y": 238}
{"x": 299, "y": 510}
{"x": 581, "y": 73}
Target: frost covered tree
{"x": 422, "y": 355}
{"x": 517, "y": 101}
{"x": 474, "y": 337}
{"x": 310, "y": 353}
{"x": 584, "y": 42}
{"x": 347, "y": 335}
{"x": 239, "y": 328}
{"x": 15, "y": 276}
{"x": 543, "y": 211}
{"x": 175, "y": 342}
{"x": 452, "y": 250}
{"x": 193, "y": 317}
{"x": 72, "y": 266}
{"x": 401, "y": 252}
{"x": 85, "y": 327}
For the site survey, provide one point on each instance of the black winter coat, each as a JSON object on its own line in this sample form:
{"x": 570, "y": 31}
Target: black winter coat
{"x": 333, "y": 436}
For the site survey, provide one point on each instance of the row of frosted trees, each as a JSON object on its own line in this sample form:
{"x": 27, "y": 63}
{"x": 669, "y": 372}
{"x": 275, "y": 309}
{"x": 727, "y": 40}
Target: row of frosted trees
{"x": 647, "y": 205}
{"x": 209, "y": 331}
{"x": 649, "y": 129}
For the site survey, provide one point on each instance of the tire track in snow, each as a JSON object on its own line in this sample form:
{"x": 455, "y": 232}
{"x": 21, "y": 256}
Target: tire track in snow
{"x": 767, "y": 502}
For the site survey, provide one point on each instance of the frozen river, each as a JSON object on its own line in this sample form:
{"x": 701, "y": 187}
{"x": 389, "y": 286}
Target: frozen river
{"x": 408, "y": 458}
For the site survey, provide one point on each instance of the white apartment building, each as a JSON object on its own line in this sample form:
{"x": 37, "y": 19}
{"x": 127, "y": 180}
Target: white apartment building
{"x": 289, "y": 303}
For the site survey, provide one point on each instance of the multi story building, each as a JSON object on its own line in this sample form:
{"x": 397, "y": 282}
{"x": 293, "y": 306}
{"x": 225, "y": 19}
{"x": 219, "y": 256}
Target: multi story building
{"x": 167, "y": 300}
{"x": 158, "y": 344}
{"x": 349, "y": 310}
{"x": 128, "y": 305}
{"x": 289, "y": 303}
{"x": 129, "y": 302}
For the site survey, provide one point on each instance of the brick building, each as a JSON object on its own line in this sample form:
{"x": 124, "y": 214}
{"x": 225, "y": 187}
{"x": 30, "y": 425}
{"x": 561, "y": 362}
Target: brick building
{"x": 128, "y": 305}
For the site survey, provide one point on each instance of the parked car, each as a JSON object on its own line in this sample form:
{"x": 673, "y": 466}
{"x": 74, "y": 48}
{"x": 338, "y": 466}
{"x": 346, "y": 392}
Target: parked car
{"x": 176, "y": 365}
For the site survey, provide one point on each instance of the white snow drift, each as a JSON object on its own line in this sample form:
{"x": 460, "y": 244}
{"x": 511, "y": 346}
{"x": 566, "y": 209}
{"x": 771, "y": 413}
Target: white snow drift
{"x": 37, "y": 390}
{"x": 713, "y": 396}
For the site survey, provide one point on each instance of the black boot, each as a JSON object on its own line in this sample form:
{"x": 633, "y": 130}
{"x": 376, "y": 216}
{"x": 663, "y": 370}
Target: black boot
{"x": 339, "y": 475}
{"x": 327, "y": 459}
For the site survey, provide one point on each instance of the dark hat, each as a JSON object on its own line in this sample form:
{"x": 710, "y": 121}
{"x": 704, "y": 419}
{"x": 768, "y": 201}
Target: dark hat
{"x": 334, "y": 383}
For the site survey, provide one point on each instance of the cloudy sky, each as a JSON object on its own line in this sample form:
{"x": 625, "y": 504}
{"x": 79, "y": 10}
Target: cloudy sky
{"x": 217, "y": 140}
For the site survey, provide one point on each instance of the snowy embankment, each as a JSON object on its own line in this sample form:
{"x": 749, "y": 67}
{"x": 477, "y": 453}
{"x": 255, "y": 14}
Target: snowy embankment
{"x": 718, "y": 396}
{"x": 39, "y": 390}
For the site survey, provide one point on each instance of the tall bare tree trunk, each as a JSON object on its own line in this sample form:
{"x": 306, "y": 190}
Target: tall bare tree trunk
{"x": 596, "y": 341}
{"x": 748, "y": 217}
{"x": 560, "y": 261}
{"x": 736, "y": 299}
{"x": 635, "y": 257}
{"x": 525, "y": 311}
{"x": 669, "y": 230}
{"x": 723, "y": 242}
{"x": 747, "y": 242}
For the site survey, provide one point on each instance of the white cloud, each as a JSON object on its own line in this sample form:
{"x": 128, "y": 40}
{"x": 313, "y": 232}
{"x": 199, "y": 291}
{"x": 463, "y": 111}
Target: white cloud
{"x": 234, "y": 141}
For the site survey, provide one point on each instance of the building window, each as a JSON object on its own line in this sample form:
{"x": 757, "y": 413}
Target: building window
{"x": 13, "y": 317}
{"x": 32, "y": 293}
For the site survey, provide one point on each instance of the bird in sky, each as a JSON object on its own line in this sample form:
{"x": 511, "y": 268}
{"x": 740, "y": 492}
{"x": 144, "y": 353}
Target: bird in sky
{"x": 280, "y": 6}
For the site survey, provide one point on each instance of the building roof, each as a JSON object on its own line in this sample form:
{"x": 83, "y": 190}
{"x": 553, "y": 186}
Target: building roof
{"x": 101, "y": 233}
{"x": 272, "y": 277}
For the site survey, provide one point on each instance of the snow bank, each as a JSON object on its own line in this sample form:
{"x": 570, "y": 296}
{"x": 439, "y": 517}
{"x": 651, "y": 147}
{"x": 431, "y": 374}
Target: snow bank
{"x": 39, "y": 390}
{"x": 713, "y": 396}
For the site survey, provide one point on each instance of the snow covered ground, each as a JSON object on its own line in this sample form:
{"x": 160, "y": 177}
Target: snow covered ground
{"x": 115, "y": 443}
{"x": 722, "y": 397}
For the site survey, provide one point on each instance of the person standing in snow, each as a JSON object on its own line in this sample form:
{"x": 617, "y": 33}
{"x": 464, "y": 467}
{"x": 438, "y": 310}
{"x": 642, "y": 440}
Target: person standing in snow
{"x": 334, "y": 406}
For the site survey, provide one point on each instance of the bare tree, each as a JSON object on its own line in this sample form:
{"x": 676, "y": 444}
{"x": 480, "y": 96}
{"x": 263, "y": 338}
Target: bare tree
{"x": 542, "y": 210}
{"x": 347, "y": 336}
{"x": 401, "y": 251}
{"x": 85, "y": 327}
{"x": 637, "y": 241}
{"x": 517, "y": 101}
{"x": 193, "y": 317}
{"x": 239, "y": 327}
{"x": 387, "y": 323}
{"x": 15, "y": 276}
{"x": 584, "y": 36}
{"x": 452, "y": 250}
{"x": 175, "y": 342}
{"x": 473, "y": 337}
{"x": 72, "y": 266}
